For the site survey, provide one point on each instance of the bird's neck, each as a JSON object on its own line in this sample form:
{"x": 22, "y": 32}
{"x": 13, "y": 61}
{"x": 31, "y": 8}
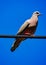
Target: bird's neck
{"x": 34, "y": 17}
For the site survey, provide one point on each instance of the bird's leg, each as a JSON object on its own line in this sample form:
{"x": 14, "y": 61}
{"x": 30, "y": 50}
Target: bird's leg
{"x": 33, "y": 35}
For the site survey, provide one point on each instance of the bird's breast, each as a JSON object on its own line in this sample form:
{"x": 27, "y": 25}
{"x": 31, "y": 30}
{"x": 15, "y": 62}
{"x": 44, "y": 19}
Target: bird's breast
{"x": 33, "y": 21}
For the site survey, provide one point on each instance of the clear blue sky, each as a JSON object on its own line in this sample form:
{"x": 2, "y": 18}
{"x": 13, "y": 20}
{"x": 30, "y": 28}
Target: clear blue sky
{"x": 12, "y": 15}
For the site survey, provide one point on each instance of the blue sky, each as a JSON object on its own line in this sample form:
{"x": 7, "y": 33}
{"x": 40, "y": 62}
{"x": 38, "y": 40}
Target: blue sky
{"x": 13, "y": 13}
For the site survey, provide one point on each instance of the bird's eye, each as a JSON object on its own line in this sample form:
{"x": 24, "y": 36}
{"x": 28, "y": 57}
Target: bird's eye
{"x": 37, "y": 13}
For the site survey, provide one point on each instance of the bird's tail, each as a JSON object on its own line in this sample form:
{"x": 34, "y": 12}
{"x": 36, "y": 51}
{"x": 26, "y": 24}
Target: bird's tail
{"x": 16, "y": 43}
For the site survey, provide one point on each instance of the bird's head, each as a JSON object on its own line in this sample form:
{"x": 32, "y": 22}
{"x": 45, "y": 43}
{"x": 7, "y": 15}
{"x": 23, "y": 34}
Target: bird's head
{"x": 37, "y": 13}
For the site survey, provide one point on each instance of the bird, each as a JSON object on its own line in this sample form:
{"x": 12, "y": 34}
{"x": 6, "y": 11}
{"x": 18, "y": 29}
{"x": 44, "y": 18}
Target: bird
{"x": 27, "y": 28}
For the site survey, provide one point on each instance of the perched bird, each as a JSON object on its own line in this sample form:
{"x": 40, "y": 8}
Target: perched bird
{"x": 28, "y": 28}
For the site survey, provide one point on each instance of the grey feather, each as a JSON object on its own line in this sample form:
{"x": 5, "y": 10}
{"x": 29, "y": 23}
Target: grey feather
{"x": 23, "y": 27}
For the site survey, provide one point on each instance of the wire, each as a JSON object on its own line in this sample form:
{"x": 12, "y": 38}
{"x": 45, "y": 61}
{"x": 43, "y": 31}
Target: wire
{"x": 22, "y": 36}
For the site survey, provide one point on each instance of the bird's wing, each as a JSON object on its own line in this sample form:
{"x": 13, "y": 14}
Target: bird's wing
{"x": 26, "y": 23}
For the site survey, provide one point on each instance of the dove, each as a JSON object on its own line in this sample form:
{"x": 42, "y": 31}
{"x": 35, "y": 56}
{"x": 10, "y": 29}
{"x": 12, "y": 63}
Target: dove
{"x": 27, "y": 28}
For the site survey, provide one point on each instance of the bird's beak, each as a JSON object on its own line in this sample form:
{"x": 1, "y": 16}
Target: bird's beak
{"x": 40, "y": 14}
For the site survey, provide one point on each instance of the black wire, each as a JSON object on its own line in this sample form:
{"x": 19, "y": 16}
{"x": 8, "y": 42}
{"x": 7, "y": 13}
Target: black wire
{"x": 22, "y": 36}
